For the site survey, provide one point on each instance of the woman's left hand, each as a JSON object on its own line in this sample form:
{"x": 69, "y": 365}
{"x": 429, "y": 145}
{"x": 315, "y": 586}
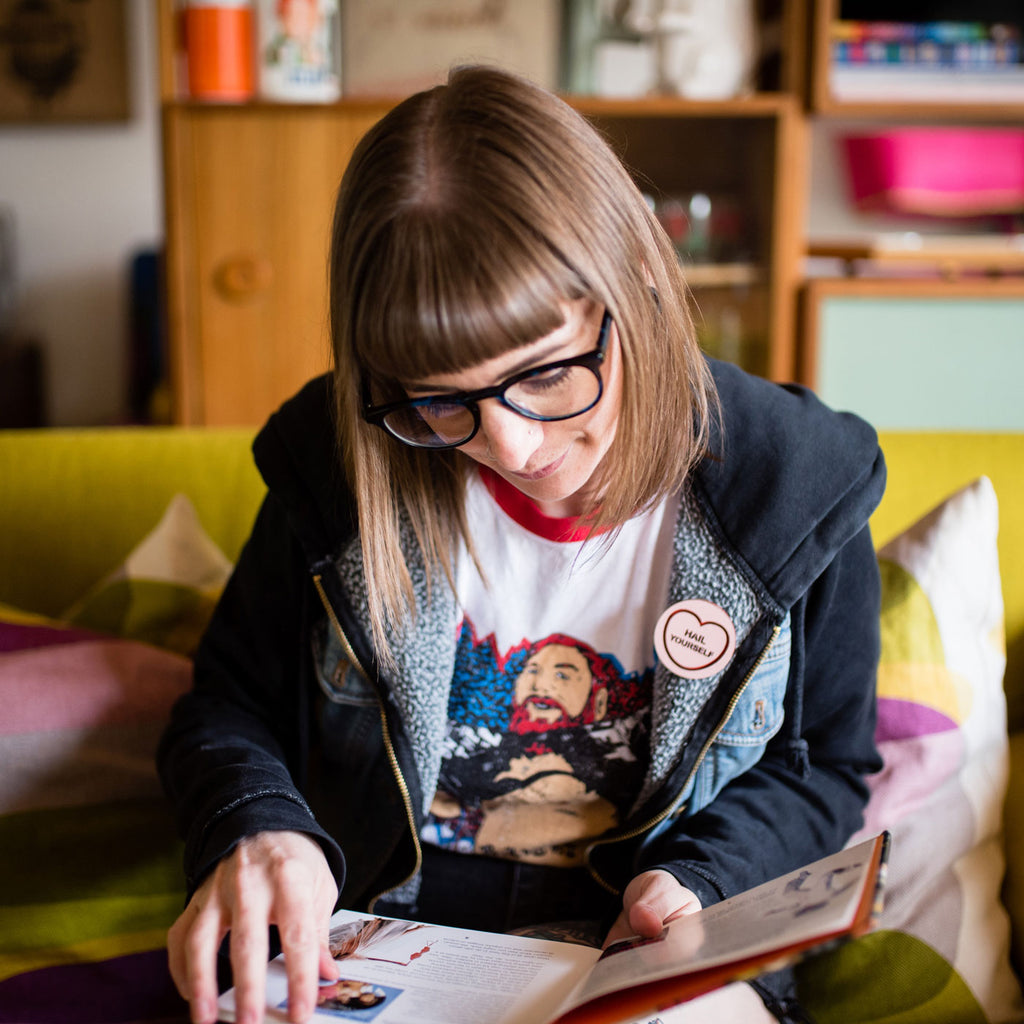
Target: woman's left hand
{"x": 650, "y": 901}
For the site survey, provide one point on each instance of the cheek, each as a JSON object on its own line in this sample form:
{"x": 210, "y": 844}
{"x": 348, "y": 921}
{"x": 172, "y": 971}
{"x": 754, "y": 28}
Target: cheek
{"x": 476, "y": 449}
{"x": 606, "y": 413}
{"x": 601, "y": 429}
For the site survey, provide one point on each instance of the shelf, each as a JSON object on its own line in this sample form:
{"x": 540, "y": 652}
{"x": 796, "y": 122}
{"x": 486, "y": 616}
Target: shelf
{"x": 928, "y": 87}
{"x": 973, "y": 113}
{"x": 898, "y": 92}
{"x": 754, "y": 105}
{"x": 354, "y": 104}
{"x": 949, "y": 255}
{"x": 722, "y": 275}
{"x": 763, "y": 104}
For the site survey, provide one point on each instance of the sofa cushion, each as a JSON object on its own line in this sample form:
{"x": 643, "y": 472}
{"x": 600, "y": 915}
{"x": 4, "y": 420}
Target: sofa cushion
{"x": 165, "y": 590}
{"x": 90, "y": 867}
{"x": 940, "y": 952}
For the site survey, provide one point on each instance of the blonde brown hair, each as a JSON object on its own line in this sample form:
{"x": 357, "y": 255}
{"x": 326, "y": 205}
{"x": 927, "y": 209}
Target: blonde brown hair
{"x": 467, "y": 216}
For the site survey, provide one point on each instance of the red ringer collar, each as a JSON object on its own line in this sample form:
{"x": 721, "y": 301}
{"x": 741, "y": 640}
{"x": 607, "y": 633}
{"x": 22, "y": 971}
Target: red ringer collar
{"x": 512, "y": 501}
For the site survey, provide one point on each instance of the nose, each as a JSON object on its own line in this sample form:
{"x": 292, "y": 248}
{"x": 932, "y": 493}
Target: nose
{"x": 505, "y": 437}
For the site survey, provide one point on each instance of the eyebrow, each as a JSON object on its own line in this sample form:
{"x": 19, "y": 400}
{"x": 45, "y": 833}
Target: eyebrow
{"x": 528, "y": 363}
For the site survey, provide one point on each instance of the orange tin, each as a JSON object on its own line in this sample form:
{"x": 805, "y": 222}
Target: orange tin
{"x": 219, "y": 40}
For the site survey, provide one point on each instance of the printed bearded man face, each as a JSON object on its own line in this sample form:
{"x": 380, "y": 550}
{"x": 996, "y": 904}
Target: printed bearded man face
{"x": 562, "y": 684}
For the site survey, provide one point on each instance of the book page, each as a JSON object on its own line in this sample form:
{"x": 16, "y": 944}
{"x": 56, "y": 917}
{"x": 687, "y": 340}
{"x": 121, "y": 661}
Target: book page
{"x": 811, "y": 903}
{"x": 402, "y": 972}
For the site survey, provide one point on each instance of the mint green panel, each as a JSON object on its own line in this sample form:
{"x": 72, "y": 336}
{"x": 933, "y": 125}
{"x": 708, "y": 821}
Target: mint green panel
{"x": 926, "y": 364}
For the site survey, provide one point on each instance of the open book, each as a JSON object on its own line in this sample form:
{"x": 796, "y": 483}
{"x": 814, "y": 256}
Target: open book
{"x": 403, "y": 972}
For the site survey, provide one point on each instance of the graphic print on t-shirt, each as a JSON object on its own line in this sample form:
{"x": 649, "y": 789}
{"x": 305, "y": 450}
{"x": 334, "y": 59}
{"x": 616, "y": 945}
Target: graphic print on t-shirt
{"x": 546, "y": 746}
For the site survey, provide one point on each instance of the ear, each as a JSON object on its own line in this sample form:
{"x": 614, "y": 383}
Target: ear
{"x": 600, "y": 703}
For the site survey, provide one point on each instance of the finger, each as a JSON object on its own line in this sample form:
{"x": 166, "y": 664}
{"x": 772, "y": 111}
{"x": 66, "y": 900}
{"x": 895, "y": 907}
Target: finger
{"x": 647, "y": 919}
{"x": 301, "y": 943}
{"x": 328, "y": 897}
{"x": 176, "y": 954}
{"x": 204, "y": 930}
{"x": 618, "y": 931}
{"x": 249, "y": 953}
{"x": 656, "y": 898}
{"x": 328, "y": 965}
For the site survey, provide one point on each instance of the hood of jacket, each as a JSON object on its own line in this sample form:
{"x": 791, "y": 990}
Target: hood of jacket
{"x": 788, "y": 481}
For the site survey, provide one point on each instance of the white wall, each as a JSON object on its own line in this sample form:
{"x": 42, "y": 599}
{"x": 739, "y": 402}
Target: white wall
{"x": 85, "y": 198}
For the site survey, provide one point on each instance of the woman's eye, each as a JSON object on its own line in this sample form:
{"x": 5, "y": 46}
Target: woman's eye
{"x": 441, "y": 410}
{"x": 546, "y": 379}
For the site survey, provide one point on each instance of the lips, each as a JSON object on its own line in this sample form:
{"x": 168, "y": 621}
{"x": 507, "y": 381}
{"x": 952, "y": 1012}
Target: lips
{"x": 544, "y": 471}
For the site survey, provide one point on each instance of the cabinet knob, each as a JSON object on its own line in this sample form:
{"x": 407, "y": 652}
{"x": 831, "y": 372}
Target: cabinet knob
{"x": 241, "y": 278}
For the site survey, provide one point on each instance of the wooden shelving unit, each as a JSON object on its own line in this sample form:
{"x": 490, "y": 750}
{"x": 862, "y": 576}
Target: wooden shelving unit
{"x": 933, "y": 263}
{"x": 249, "y": 191}
{"x": 752, "y": 149}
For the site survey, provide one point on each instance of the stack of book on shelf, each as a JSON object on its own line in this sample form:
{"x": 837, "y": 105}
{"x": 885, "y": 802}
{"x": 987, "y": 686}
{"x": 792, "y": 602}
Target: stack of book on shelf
{"x": 935, "y": 62}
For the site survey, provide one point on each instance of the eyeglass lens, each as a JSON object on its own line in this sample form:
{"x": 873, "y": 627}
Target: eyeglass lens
{"x": 553, "y": 394}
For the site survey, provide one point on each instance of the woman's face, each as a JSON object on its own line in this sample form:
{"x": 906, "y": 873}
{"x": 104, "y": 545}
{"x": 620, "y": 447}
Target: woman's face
{"x": 552, "y": 463}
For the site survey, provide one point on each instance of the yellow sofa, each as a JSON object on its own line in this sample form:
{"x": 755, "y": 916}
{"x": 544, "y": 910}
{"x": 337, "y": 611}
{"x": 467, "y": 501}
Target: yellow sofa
{"x": 74, "y": 502}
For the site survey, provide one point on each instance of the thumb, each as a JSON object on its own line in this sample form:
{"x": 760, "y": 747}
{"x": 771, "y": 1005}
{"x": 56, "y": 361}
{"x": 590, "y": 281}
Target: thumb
{"x": 647, "y": 914}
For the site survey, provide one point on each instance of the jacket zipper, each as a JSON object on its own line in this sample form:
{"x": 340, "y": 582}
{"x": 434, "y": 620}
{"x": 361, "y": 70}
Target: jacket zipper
{"x": 396, "y": 769}
{"x": 648, "y": 825}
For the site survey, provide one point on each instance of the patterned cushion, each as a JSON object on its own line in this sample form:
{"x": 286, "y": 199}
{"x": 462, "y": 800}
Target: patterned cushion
{"x": 90, "y": 868}
{"x": 940, "y": 953}
{"x": 165, "y": 590}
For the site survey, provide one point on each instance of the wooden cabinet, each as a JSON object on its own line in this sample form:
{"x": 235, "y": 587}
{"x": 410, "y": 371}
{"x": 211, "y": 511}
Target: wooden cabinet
{"x": 249, "y": 193}
{"x": 249, "y": 198}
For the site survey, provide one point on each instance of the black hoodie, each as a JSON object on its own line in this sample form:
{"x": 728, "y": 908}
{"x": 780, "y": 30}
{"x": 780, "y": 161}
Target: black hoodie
{"x": 292, "y": 725}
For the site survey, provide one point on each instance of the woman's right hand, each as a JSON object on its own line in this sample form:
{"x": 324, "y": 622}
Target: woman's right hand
{"x": 271, "y": 878}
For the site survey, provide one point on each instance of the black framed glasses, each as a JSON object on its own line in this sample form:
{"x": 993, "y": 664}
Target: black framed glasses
{"x": 553, "y": 391}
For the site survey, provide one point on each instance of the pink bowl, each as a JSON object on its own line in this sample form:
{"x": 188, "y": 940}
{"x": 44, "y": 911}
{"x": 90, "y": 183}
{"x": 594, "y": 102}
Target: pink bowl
{"x": 945, "y": 172}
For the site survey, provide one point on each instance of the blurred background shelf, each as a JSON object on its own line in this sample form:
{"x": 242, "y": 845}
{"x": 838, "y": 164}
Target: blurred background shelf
{"x": 949, "y": 256}
{"x": 952, "y": 64}
{"x": 755, "y": 192}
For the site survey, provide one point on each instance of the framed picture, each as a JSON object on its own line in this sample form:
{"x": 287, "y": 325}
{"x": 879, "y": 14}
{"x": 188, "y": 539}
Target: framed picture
{"x": 63, "y": 60}
{"x": 396, "y": 47}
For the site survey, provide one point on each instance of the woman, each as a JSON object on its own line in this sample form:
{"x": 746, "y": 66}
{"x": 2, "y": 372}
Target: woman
{"x": 521, "y": 438}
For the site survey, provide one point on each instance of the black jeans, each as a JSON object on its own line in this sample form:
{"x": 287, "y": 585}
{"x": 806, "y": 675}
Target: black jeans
{"x": 473, "y": 891}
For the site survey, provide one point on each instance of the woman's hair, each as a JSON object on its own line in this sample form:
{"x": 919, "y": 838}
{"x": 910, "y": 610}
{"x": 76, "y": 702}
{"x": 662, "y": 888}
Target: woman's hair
{"x": 467, "y": 217}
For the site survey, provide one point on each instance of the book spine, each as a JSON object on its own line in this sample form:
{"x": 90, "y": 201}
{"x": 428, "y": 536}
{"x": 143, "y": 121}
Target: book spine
{"x": 949, "y": 45}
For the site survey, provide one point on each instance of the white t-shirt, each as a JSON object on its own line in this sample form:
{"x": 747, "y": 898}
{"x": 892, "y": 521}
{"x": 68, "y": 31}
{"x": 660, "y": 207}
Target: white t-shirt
{"x": 548, "y": 719}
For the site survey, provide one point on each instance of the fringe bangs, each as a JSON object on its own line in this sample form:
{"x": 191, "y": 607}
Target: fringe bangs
{"x": 445, "y": 294}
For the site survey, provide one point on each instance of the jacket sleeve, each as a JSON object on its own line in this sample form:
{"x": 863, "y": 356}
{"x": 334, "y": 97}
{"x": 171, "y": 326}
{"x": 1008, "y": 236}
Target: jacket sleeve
{"x": 786, "y": 811}
{"x": 229, "y": 759}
